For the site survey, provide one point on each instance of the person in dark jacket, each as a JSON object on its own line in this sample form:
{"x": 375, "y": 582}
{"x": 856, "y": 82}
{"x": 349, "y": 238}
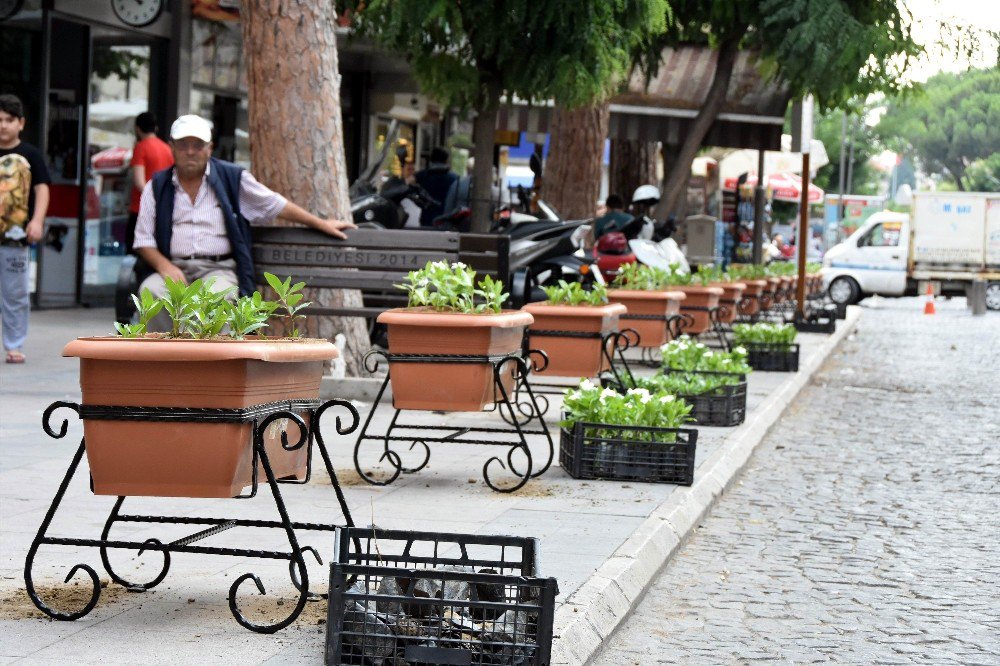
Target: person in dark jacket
{"x": 616, "y": 219}
{"x": 194, "y": 217}
{"x": 437, "y": 179}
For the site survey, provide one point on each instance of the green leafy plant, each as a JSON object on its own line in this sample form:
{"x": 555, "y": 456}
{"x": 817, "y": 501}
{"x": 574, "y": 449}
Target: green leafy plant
{"x": 640, "y": 277}
{"x": 289, "y": 301}
{"x": 686, "y": 354}
{"x": 683, "y": 383}
{"x": 590, "y": 403}
{"x": 147, "y": 306}
{"x": 813, "y": 267}
{"x": 249, "y": 314}
{"x": 707, "y": 274}
{"x": 777, "y": 335}
{"x": 573, "y": 293}
{"x": 198, "y": 311}
{"x": 209, "y": 313}
{"x": 453, "y": 288}
{"x": 748, "y": 271}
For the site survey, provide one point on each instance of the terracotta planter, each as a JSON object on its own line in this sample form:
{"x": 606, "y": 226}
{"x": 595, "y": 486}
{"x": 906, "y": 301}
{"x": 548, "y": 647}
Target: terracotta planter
{"x": 754, "y": 289}
{"x": 451, "y": 387}
{"x": 814, "y": 282}
{"x": 569, "y": 356}
{"x": 732, "y": 292}
{"x": 652, "y": 332}
{"x": 771, "y": 292}
{"x": 696, "y": 305}
{"x": 185, "y": 459}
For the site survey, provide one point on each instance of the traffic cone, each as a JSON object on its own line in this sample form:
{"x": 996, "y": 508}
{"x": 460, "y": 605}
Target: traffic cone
{"x": 929, "y": 303}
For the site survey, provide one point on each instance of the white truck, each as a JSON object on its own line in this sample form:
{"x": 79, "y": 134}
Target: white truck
{"x": 949, "y": 240}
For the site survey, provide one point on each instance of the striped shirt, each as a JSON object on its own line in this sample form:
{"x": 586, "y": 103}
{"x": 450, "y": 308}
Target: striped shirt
{"x": 199, "y": 228}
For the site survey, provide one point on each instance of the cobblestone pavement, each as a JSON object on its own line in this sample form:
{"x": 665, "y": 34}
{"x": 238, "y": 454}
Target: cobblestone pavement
{"x": 865, "y": 529}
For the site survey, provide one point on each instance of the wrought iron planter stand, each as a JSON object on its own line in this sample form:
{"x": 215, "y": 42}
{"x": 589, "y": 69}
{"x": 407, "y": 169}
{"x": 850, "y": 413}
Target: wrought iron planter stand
{"x": 262, "y": 417}
{"x": 675, "y": 325}
{"x": 504, "y": 402}
{"x": 613, "y": 348}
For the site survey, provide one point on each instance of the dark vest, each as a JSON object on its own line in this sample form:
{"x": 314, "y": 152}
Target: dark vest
{"x": 224, "y": 179}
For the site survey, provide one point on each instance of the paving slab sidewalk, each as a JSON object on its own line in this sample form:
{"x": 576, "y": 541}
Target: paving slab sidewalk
{"x": 603, "y": 540}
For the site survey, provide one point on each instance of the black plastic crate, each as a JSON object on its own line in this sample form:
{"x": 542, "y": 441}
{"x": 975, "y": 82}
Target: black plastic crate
{"x": 400, "y": 597}
{"x": 411, "y": 549}
{"x": 818, "y": 325}
{"x": 773, "y": 358}
{"x": 628, "y": 453}
{"x": 725, "y": 406}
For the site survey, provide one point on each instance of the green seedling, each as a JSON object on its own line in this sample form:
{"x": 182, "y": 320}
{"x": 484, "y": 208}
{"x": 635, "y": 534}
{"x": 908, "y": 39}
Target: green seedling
{"x": 590, "y": 403}
{"x": 686, "y": 354}
{"x": 289, "y": 301}
{"x": 573, "y": 293}
{"x": 781, "y": 336}
{"x": 453, "y": 288}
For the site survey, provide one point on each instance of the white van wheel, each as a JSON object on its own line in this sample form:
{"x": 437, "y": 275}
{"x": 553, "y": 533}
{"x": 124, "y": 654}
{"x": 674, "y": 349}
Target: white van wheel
{"x": 844, "y": 291}
{"x": 993, "y": 296}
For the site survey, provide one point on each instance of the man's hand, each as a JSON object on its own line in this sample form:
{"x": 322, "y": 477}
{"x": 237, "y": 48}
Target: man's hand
{"x": 34, "y": 231}
{"x": 169, "y": 270}
{"x": 333, "y": 227}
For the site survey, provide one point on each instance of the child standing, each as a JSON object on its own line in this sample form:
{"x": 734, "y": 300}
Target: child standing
{"x": 24, "y": 199}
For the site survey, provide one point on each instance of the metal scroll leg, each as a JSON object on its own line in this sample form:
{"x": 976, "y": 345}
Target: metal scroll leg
{"x": 504, "y": 403}
{"x": 716, "y": 316}
{"x": 615, "y": 344}
{"x": 29, "y": 583}
{"x": 321, "y": 445}
{"x": 388, "y": 454}
{"x": 301, "y": 582}
{"x": 132, "y": 587}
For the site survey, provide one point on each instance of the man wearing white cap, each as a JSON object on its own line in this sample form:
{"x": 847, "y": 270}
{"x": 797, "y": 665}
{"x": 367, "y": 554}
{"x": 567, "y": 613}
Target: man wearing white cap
{"x": 193, "y": 217}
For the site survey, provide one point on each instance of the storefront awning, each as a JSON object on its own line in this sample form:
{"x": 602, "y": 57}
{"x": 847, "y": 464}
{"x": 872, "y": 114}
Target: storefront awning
{"x": 752, "y": 116}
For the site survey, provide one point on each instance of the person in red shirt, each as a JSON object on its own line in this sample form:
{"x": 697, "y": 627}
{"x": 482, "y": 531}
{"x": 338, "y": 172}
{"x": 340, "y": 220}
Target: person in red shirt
{"x": 151, "y": 154}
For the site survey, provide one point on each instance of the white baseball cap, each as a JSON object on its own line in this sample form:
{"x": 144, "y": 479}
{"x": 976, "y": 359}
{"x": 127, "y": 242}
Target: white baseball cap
{"x": 191, "y": 125}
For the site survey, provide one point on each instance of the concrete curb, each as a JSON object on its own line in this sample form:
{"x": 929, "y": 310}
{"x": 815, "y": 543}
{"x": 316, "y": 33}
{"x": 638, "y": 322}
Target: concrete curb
{"x": 596, "y": 609}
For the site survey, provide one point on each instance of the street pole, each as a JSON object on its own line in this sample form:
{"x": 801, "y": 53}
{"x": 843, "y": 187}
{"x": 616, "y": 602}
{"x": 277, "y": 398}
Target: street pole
{"x": 758, "y": 211}
{"x": 800, "y": 286}
{"x": 843, "y": 160}
{"x": 850, "y": 160}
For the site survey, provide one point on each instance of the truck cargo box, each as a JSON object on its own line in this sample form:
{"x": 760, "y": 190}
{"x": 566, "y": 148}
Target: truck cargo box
{"x": 949, "y": 228}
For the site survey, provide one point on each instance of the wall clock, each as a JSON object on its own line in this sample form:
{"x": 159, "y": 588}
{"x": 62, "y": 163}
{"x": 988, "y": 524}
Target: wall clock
{"x": 137, "y": 13}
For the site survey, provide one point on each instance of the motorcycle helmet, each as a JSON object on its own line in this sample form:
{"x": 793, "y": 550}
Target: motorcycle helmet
{"x": 646, "y": 194}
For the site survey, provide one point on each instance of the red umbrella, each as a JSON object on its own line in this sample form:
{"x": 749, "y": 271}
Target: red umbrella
{"x": 112, "y": 159}
{"x": 782, "y": 186}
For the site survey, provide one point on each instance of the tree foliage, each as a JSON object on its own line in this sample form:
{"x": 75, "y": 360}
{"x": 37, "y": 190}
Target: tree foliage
{"x": 835, "y": 50}
{"x": 950, "y": 125}
{"x": 470, "y": 54}
{"x": 865, "y": 179}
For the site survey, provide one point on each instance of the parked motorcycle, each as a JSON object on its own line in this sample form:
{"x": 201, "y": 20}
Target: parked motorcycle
{"x": 373, "y": 206}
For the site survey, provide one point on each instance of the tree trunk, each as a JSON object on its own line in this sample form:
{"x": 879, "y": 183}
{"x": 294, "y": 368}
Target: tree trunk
{"x": 484, "y": 135}
{"x": 572, "y": 181}
{"x": 633, "y": 163}
{"x": 676, "y": 179}
{"x": 957, "y": 172}
{"x": 296, "y": 130}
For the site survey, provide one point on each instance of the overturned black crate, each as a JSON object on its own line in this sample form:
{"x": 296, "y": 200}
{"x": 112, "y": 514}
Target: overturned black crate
{"x": 773, "y": 357}
{"x": 818, "y": 320}
{"x": 628, "y": 453}
{"x": 401, "y": 597}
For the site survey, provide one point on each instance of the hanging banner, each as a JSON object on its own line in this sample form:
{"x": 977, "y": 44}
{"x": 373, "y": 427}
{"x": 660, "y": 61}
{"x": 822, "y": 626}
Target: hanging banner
{"x": 216, "y": 10}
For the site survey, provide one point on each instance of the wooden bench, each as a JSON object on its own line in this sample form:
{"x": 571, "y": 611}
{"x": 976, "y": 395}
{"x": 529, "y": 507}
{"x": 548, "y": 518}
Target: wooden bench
{"x": 371, "y": 260}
